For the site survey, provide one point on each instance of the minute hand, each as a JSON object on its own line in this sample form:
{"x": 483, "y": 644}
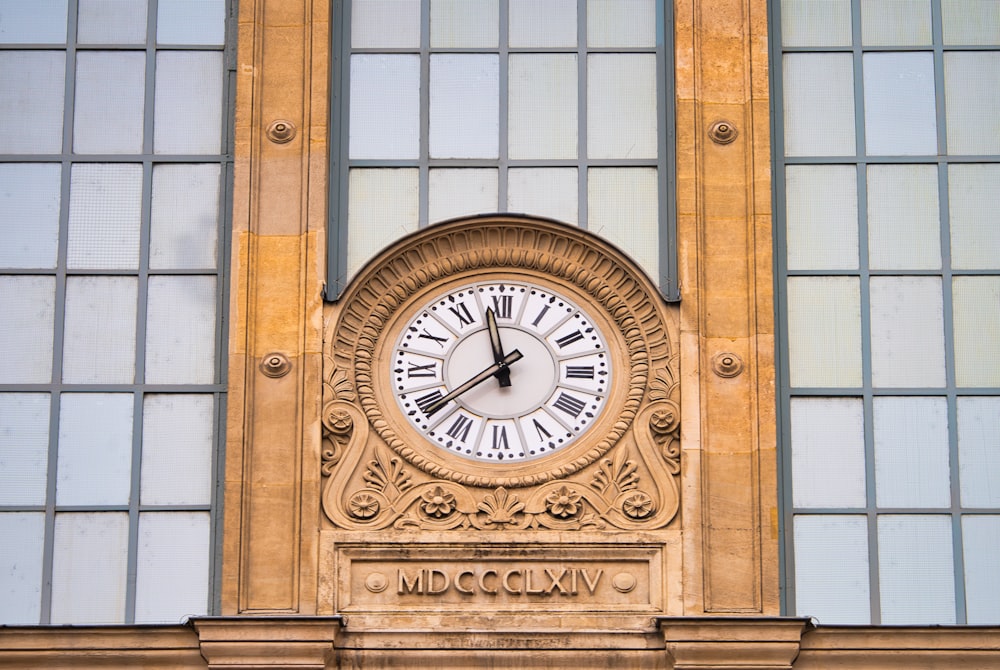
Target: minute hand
{"x": 473, "y": 382}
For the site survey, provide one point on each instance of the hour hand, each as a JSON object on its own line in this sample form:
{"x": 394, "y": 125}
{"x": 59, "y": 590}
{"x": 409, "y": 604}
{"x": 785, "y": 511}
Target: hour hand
{"x": 473, "y": 382}
{"x": 503, "y": 374}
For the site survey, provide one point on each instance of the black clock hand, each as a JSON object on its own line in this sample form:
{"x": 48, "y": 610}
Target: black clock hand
{"x": 503, "y": 374}
{"x": 473, "y": 382}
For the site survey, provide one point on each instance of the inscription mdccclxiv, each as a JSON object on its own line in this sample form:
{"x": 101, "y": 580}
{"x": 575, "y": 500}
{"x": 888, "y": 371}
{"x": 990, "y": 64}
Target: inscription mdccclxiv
{"x": 514, "y": 581}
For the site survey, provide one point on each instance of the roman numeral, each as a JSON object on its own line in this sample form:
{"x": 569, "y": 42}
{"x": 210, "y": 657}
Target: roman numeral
{"x": 427, "y": 336}
{"x": 541, "y": 315}
{"x": 542, "y": 433}
{"x": 422, "y": 370}
{"x": 426, "y": 401}
{"x": 579, "y": 371}
{"x": 566, "y": 340}
{"x": 462, "y": 312}
{"x": 569, "y": 404}
{"x": 500, "y": 438}
{"x": 460, "y": 429}
{"x": 502, "y": 305}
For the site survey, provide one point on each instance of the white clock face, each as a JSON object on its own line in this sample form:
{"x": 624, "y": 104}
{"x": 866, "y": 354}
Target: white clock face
{"x": 501, "y": 371}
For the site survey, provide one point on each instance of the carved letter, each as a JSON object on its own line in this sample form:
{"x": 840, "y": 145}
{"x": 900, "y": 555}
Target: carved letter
{"x": 527, "y": 584}
{"x": 506, "y": 582}
{"x": 556, "y": 582}
{"x": 430, "y": 582}
{"x": 458, "y": 582}
{"x": 407, "y": 586}
{"x": 482, "y": 582}
{"x": 591, "y": 585}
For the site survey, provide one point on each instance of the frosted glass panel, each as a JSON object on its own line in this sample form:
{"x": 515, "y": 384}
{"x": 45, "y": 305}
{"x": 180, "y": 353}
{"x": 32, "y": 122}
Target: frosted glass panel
{"x": 464, "y": 23}
{"x": 980, "y": 539}
{"x": 382, "y": 207}
{"x": 461, "y": 192}
{"x": 831, "y": 568}
{"x": 911, "y": 452}
{"x": 916, "y": 571}
{"x": 95, "y": 449}
{"x": 385, "y": 106}
{"x": 21, "y": 565}
{"x": 621, "y": 23}
{"x": 37, "y": 21}
{"x": 819, "y": 104}
{"x": 828, "y": 452}
{"x": 895, "y": 23}
{"x": 111, "y": 22}
{"x": 177, "y": 449}
{"x": 191, "y": 22}
{"x": 110, "y": 88}
{"x": 623, "y": 207}
{"x": 900, "y": 116}
{"x": 188, "y": 109}
{"x": 551, "y": 192}
{"x": 99, "y": 335}
{"x": 543, "y": 106}
{"x": 979, "y": 451}
{"x": 806, "y": 23}
{"x": 105, "y": 211}
{"x": 621, "y": 106}
{"x": 824, "y": 331}
{"x": 385, "y": 24}
{"x": 822, "y": 217}
{"x": 972, "y": 102}
{"x": 89, "y": 567}
{"x": 907, "y": 332}
{"x": 184, "y": 224}
{"x": 31, "y": 108}
{"x": 904, "y": 230}
{"x": 977, "y": 338}
{"x": 27, "y": 304}
{"x": 24, "y": 449}
{"x": 542, "y": 24}
{"x": 973, "y": 202}
{"x": 172, "y": 567}
{"x": 180, "y": 330}
{"x": 970, "y": 21}
{"x": 465, "y": 99}
{"x": 29, "y": 214}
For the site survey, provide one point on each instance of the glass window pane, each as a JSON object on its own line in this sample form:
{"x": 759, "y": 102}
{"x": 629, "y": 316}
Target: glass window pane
{"x": 822, "y": 217}
{"x": 970, "y": 21}
{"x": 95, "y": 449}
{"x": 623, "y": 207}
{"x": 385, "y": 106}
{"x": 35, "y": 22}
{"x": 621, "y": 106}
{"x": 464, "y": 23}
{"x": 907, "y": 332}
{"x": 979, "y": 451}
{"x": 382, "y": 207}
{"x": 24, "y": 449}
{"x": 464, "y": 125}
{"x": 980, "y": 539}
{"x": 973, "y": 202}
{"x": 621, "y": 23}
{"x": 105, "y": 212}
{"x": 542, "y": 24}
{"x": 177, "y": 435}
{"x": 89, "y": 564}
{"x": 385, "y": 24}
{"x": 21, "y": 565}
{"x": 461, "y": 192}
{"x": 904, "y": 231}
{"x": 191, "y": 22}
{"x": 31, "y": 108}
{"x": 831, "y": 568}
{"x": 110, "y": 93}
{"x": 977, "y": 338}
{"x": 900, "y": 114}
{"x": 916, "y": 570}
{"x": 824, "y": 331}
{"x": 111, "y": 22}
{"x": 895, "y": 23}
{"x": 180, "y": 330}
{"x": 819, "y": 104}
{"x": 27, "y": 304}
{"x": 184, "y": 226}
{"x": 29, "y": 214}
{"x": 972, "y": 102}
{"x": 99, "y": 334}
{"x": 806, "y": 23}
{"x": 188, "y": 114}
{"x": 543, "y": 106}
{"x": 172, "y": 567}
{"x": 551, "y": 192}
{"x": 911, "y": 452}
{"x": 828, "y": 452}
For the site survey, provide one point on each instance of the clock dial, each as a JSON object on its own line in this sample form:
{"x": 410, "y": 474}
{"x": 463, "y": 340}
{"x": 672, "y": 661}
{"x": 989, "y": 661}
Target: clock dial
{"x": 501, "y": 371}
